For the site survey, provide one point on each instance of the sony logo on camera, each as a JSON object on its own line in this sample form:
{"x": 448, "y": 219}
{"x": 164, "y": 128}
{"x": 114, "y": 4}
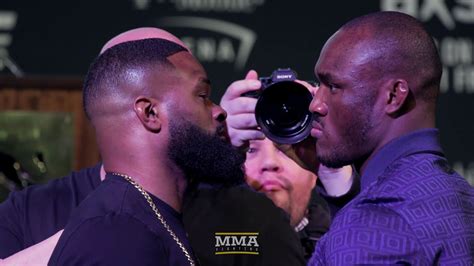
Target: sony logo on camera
{"x": 283, "y": 74}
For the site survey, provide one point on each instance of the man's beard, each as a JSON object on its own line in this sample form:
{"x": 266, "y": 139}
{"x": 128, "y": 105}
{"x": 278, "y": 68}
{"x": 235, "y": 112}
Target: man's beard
{"x": 350, "y": 149}
{"x": 204, "y": 157}
{"x": 354, "y": 143}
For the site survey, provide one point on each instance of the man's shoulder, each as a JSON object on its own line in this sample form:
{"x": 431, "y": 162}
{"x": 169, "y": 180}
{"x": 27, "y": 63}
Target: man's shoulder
{"x": 364, "y": 233}
{"x": 418, "y": 202}
{"x": 359, "y": 214}
{"x": 22, "y": 213}
{"x": 423, "y": 168}
{"x": 111, "y": 238}
{"x": 63, "y": 193}
{"x": 417, "y": 179}
{"x": 421, "y": 187}
{"x": 117, "y": 216}
{"x": 108, "y": 197}
{"x": 76, "y": 185}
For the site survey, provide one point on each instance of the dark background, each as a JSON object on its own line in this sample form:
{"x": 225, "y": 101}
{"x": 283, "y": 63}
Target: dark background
{"x": 60, "y": 38}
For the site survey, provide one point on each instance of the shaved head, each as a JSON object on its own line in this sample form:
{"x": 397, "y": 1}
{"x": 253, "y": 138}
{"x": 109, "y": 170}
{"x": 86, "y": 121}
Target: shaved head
{"x": 140, "y": 34}
{"x": 124, "y": 60}
{"x": 399, "y": 46}
{"x": 116, "y": 76}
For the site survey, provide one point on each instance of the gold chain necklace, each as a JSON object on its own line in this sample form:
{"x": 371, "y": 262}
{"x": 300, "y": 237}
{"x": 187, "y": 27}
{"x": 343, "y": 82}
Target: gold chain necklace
{"x": 158, "y": 215}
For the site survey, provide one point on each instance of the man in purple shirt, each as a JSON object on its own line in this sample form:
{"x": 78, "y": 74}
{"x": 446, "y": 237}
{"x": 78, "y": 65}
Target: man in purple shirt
{"x": 375, "y": 108}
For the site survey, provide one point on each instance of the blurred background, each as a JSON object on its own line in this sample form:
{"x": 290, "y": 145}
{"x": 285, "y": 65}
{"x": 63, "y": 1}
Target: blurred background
{"x": 47, "y": 46}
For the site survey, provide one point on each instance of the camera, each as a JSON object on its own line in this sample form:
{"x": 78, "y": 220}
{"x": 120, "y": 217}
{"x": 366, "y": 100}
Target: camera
{"x": 282, "y": 109}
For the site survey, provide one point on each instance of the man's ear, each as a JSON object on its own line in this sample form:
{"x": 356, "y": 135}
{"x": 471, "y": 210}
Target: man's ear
{"x": 397, "y": 96}
{"x": 148, "y": 111}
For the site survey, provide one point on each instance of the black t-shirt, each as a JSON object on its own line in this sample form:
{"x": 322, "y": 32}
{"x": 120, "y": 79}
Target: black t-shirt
{"x": 319, "y": 219}
{"x": 115, "y": 225}
{"x": 238, "y": 226}
{"x": 30, "y": 216}
{"x": 337, "y": 203}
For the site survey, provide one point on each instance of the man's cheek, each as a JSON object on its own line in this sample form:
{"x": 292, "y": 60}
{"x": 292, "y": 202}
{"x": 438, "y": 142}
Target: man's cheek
{"x": 279, "y": 198}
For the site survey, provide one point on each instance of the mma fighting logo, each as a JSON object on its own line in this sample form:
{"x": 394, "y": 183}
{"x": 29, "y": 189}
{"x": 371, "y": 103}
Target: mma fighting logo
{"x": 231, "y": 243}
{"x": 216, "y": 49}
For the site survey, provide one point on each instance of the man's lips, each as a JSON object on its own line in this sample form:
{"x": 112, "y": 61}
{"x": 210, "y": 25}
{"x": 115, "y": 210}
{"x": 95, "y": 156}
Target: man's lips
{"x": 317, "y": 130}
{"x": 271, "y": 185}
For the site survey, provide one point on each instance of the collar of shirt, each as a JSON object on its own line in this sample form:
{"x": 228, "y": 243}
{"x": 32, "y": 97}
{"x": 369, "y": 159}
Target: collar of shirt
{"x": 420, "y": 141}
{"x": 157, "y": 201}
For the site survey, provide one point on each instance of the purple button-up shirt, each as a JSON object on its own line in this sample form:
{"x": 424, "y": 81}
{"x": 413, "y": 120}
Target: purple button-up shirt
{"x": 412, "y": 209}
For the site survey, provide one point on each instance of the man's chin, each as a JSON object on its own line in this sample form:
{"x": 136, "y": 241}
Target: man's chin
{"x": 332, "y": 163}
{"x": 277, "y": 199}
{"x": 204, "y": 157}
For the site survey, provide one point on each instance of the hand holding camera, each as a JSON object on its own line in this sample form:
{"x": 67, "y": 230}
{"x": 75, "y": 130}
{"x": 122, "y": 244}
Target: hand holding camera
{"x": 241, "y": 123}
{"x": 277, "y": 105}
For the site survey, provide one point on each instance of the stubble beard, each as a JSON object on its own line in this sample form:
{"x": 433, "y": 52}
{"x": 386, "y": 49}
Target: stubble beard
{"x": 353, "y": 145}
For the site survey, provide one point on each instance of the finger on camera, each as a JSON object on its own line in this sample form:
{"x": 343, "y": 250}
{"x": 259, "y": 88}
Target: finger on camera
{"x": 252, "y": 74}
{"x": 306, "y": 84}
{"x": 240, "y": 105}
{"x": 242, "y": 121}
{"x": 246, "y": 135}
{"x": 237, "y": 88}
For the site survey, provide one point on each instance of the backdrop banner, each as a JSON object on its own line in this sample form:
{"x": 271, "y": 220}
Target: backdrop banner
{"x": 232, "y": 36}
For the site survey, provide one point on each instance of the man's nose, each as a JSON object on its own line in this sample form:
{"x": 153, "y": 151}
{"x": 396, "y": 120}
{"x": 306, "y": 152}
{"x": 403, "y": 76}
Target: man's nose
{"x": 318, "y": 105}
{"x": 218, "y": 113}
{"x": 271, "y": 163}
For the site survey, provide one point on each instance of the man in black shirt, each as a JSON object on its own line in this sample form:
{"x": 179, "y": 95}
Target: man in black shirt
{"x": 102, "y": 216}
{"x": 148, "y": 101}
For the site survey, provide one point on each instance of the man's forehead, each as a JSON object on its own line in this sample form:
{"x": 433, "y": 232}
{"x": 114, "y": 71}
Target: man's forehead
{"x": 185, "y": 64}
{"x": 149, "y": 76}
{"x": 303, "y": 153}
{"x": 348, "y": 56}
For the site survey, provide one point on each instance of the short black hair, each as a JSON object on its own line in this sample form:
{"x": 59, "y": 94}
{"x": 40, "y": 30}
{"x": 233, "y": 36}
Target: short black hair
{"x": 108, "y": 69}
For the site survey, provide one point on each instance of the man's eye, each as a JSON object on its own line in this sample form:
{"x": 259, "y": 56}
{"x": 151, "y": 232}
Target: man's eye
{"x": 204, "y": 96}
{"x": 251, "y": 150}
{"x": 332, "y": 87}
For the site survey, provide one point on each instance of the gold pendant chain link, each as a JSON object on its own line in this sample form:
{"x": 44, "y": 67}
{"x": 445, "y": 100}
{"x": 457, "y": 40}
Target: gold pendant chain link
{"x": 158, "y": 215}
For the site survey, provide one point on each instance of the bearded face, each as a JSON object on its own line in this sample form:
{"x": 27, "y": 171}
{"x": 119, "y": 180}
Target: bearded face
{"x": 204, "y": 157}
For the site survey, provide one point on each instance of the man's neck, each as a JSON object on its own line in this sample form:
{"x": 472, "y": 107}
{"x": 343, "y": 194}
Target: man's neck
{"x": 166, "y": 183}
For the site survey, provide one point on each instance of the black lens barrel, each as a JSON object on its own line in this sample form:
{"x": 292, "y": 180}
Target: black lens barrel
{"x": 282, "y": 112}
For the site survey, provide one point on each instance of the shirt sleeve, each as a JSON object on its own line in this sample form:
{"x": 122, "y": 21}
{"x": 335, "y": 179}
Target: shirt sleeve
{"x": 113, "y": 239}
{"x": 10, "y": 229}
{"x": 369, "y": 235}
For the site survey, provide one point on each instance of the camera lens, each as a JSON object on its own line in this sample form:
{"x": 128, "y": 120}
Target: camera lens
{"x": 282, "y": 112}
